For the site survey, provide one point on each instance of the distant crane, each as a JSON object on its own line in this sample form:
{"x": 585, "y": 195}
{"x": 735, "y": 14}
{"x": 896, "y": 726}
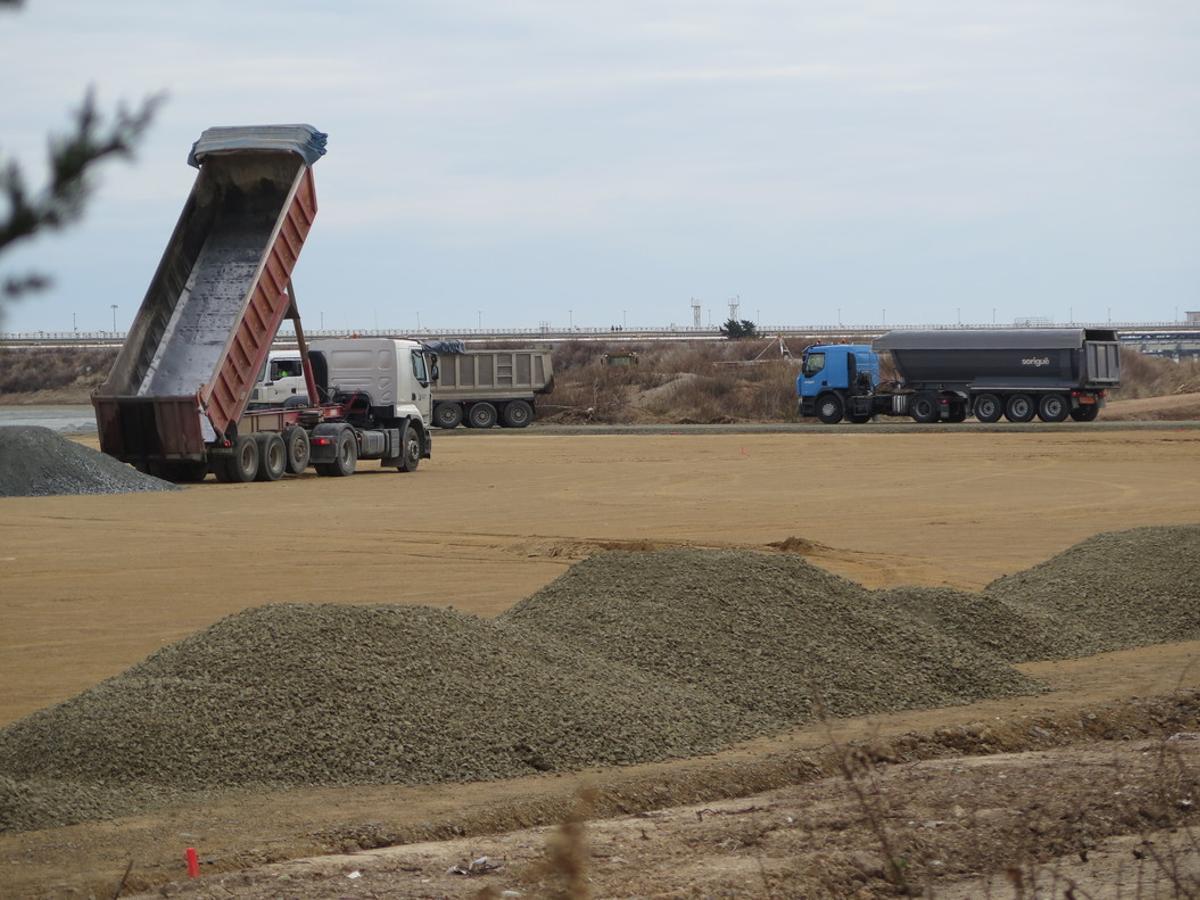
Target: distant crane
{"x": 735, "y": 304}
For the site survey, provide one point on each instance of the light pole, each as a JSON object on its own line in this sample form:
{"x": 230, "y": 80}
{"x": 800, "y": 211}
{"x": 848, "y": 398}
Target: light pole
{"x": 884, "y": 316}
{"x": 479, "y": 318}
{"x": 322, "y": 320}
{"x": 625, "y": 320}
{"x": 993, "y": 315}
{"x": 114, "y": 309}
{"x": 571, "y": 319}
{"x": 1110, "y": 315}
{"x": 839, "y": 316}
{"x": 74, "y": 326}
{"x": 418, "y": 320}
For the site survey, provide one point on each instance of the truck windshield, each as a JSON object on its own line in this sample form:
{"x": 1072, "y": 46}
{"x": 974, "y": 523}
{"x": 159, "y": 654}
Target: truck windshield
{"x": 813, "y": 363}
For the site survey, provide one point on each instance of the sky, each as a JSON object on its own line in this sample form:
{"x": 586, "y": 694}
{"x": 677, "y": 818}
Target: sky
{"x": 592, "y": 164}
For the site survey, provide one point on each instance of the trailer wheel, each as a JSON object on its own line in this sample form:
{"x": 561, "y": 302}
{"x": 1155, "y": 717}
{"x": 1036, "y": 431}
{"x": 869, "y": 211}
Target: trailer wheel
{"x": 241, "y": 466}
{"x": 410, "y": 449}
{"x": 830, "y": 409}
{"x": 447, "y": 415}
{"x": 988, "y": 408}
{"x": 272, "y": 457}
{"x": 481, "y": 415}
{"x": 924, "y": 409}
{"x": 1019, "y": 408}
{"x": 295, "y": 439}
{"x": 1085, "y": 413}
{"x": 1053, "y": 408}
{"x": 957, "y": 413}
{"x": 517, "y": 414}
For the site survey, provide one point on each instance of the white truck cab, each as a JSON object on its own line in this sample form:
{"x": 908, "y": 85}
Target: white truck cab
{"x": 393, "y": 374}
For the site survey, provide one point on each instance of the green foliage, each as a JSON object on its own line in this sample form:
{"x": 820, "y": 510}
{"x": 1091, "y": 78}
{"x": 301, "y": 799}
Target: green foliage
{"x": 735, "y": 330}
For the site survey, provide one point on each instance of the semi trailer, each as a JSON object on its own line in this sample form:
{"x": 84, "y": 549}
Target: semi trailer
{"x": 478, "y": 388}
{"x": 175, "y": 403}
{"x": 1050, "y": 373}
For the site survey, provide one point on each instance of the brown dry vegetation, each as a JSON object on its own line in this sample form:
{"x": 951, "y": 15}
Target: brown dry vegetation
{"x": 52, "y": 375}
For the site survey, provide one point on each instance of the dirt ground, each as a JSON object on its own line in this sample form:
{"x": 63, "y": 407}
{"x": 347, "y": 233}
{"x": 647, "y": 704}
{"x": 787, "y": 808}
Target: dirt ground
{"x": 92, "y": 584}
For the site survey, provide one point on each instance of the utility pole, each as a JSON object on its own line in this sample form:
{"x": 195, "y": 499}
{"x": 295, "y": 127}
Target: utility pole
{"x": 114, "y": 309}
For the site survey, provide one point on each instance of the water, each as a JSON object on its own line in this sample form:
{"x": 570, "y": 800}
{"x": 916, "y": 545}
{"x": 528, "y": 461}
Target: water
{"x": 66, "y": 418}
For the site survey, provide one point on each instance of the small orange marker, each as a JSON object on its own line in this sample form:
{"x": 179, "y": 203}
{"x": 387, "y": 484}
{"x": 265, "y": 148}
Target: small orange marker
{"x": 193, "y": 863}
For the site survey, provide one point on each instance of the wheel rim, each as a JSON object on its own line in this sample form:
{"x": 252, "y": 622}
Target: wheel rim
{"x": 345, "y": 456}
{"x": 246, "y": 459}
{"x": 275, "y": 456}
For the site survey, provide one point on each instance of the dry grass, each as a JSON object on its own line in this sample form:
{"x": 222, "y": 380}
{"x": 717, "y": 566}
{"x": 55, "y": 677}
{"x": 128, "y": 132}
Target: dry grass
{"x": 75, "y": 371}
{"x": 1153, "y": 376}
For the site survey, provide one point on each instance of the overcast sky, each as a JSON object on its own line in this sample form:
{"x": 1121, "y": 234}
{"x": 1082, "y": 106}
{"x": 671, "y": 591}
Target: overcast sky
{"x": 526, "y": 161}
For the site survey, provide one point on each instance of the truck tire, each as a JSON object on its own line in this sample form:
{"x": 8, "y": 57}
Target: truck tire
{"x": 410, "y": 448}
{"x": 1019, "y": 408}
{"x": 241, "y": 466}
{"x": 925, "y": 409}
{"x": 1053, "y": 407}
{"x": 830, "y": 408}
{"x": 346, "y": 460}
{"x": 1085, "y": 413}
{"x": 481, "y": 415}
{"x": 858, "y": 418}
{"x": 957, "y": 412}
{"x": 447, "y": 415}
{"x": 988, "y": 408}
{"x": 295, "y": 440}
{"x": 272, "y": 456}
{"x": 516, "y": 414}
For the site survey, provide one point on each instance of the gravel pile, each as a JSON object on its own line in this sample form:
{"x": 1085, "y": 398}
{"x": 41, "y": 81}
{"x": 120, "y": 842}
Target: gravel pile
{"x": 1013, "y": 633}
{"x": 1126, "y": 588}
{"x": 770, "y": 633}
{"x": 323, "y": 694}
{"x": 38, "y": 462}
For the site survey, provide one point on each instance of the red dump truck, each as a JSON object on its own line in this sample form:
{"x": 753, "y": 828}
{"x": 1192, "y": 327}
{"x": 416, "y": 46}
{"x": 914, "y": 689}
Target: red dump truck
{"x": 175, "y": 402}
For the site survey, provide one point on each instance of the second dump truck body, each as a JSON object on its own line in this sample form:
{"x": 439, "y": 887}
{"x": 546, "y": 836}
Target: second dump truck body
{"x": 1051, "y": 373}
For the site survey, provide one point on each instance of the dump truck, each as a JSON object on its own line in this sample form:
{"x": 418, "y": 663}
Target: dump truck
{"x": 175, "y": 403}
{"x": 1050, "y": 373}
{"x": 482, "y": 388}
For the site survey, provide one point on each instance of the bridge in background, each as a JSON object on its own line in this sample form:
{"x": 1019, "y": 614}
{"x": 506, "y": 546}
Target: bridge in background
{"x": 1175, "y": 340}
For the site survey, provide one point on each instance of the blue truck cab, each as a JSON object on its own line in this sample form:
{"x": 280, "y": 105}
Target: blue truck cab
{"x": 831, "y": 375}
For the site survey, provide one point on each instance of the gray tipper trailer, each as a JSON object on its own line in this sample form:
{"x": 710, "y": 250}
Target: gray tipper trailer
{"x": 947, "y": 375}
{"x": 482, "y": 388}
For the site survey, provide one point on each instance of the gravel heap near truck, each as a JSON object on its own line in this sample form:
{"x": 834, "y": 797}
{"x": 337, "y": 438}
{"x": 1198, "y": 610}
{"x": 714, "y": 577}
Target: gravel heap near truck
{"x": 768, "y": 632}
{"x": 627, "y": 657}
{"x": 37, "y": 462}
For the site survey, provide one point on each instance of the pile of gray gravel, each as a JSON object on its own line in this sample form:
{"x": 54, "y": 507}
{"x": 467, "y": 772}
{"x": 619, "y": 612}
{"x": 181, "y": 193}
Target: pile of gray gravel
{"x": 1123, "y": 588}
{"x": 627, "y": 657}
{"x": 323, "y": 694}
{"x": 767, "y": 632}
{"x": 1015, "y": 634}
{"x": 38, "y": 462}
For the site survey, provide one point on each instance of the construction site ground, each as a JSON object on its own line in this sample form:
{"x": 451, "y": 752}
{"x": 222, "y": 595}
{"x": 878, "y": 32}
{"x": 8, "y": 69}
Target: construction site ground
{"x": 93, "y": 584}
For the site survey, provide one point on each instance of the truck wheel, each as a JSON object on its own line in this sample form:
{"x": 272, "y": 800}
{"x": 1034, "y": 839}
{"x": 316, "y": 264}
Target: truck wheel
{"x": 517, "y": 414}
{"x": 346, "y": 460}
{"x": 858, "y": 418}
{"x": 1085, "y": 413}
{"x": 1053, "y": 408}
{"x": 830, "y": 408}
{"x": 447, "y": 415}
{"x": 988, "y": 408}
{"x": 272, "y": 456}
{"x": 241, "y": 466}
{"x": 481, "y": 415}
{"x": 924, "y": 409}
{"x": 295, "y": 440}
{"x": 957, "y": 413}
{"x": 1019, "y": 408}
{"x": 410, "y": 449}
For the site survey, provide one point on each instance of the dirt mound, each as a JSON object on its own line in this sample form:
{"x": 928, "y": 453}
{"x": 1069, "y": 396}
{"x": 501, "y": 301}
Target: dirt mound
{"x": 323, "y": 694}
{"x": 766, "y": 632}
{"x": 1016, "y": 635}
{"x": 1127, "y": 588}
{"x": 1173, "y": 408}
{"x": 37, "y": 462}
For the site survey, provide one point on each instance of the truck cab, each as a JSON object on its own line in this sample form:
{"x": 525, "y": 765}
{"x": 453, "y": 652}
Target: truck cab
{"x": 831, "y": 376}
{"x": 394, "y": 375}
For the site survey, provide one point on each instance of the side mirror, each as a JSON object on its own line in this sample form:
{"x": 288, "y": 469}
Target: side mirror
{"x": 435, "y": 372}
